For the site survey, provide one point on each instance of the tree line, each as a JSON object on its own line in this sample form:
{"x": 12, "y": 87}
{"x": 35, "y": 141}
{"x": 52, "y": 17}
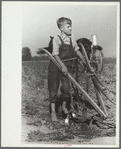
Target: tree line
{"x": 26, "y": 55}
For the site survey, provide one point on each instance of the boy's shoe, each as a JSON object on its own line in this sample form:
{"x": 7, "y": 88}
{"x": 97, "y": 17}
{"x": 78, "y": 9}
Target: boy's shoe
{"x": 54, "y": 117}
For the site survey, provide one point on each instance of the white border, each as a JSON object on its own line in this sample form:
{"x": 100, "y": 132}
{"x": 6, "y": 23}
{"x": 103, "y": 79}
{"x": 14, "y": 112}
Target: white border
{"x": 11, "y": 71}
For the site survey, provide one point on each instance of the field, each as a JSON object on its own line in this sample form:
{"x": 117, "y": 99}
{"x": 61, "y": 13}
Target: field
{"x": 37, "y": 126}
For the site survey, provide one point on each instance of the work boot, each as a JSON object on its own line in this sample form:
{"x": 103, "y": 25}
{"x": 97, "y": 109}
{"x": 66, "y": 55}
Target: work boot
{"x": 53, "y": 113}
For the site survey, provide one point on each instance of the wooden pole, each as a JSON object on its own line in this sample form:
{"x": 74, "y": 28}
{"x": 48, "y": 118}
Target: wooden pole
{"x": 99, "y": 97}
{"x": 98, "y": 94}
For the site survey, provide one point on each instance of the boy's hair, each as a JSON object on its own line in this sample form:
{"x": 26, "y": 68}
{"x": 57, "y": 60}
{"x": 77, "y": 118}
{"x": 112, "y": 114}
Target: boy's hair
{"x": 61, "y": 20}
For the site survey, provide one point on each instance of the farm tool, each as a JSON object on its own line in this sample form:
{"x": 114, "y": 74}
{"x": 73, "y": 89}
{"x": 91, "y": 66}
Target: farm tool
{"x": 99, "y": 110}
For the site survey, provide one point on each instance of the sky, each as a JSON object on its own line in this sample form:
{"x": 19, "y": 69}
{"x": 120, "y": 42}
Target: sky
{"x": 39, "y": 23}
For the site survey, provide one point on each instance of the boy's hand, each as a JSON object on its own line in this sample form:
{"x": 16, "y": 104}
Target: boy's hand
{"x": 83, "y": 61}
{"x": 64, "y": 70}
{"x": 38, "y": 51}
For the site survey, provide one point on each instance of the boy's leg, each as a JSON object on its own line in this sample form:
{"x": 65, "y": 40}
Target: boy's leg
{"x": 53, "y": 112}
{"x": 53, "y": 85}
{"x": 65, "y": 89}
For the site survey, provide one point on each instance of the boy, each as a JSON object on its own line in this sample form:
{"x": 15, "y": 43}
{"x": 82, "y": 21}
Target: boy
{"x": 64, "y": 47}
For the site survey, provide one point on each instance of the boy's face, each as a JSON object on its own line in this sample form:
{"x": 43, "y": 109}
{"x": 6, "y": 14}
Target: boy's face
{"x": 66, "y": 28}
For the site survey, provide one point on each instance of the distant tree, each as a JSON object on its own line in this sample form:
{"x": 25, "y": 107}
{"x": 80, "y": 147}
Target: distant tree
{"x": 102, "y": 54}
{"x": 39, "y": 58}
{"x": 34, "y": 58}
{"x": 26, "y": 54}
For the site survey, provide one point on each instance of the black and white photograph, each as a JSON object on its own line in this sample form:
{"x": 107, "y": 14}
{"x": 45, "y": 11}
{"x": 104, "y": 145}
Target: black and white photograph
{"x": 60, "y": 74}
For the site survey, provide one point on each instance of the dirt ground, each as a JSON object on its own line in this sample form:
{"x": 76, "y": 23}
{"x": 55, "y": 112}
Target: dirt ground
{"x": 37, "y": 126}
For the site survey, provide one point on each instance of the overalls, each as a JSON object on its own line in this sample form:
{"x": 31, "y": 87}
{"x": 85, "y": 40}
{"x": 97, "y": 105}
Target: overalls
{"x": 55, "y": 75}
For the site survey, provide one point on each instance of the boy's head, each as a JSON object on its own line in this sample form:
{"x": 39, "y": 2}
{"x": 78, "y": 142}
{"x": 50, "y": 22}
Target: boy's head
{"x": 65, "y": 25}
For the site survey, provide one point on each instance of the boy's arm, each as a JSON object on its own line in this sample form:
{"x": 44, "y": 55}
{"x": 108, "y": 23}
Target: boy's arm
{"x": 82, "y": 58}
{"x": 76, "y": 49}
{"x": 80, "y": 55}
{"x": 55, "y": 54}
{"x": 64, "y": 68}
